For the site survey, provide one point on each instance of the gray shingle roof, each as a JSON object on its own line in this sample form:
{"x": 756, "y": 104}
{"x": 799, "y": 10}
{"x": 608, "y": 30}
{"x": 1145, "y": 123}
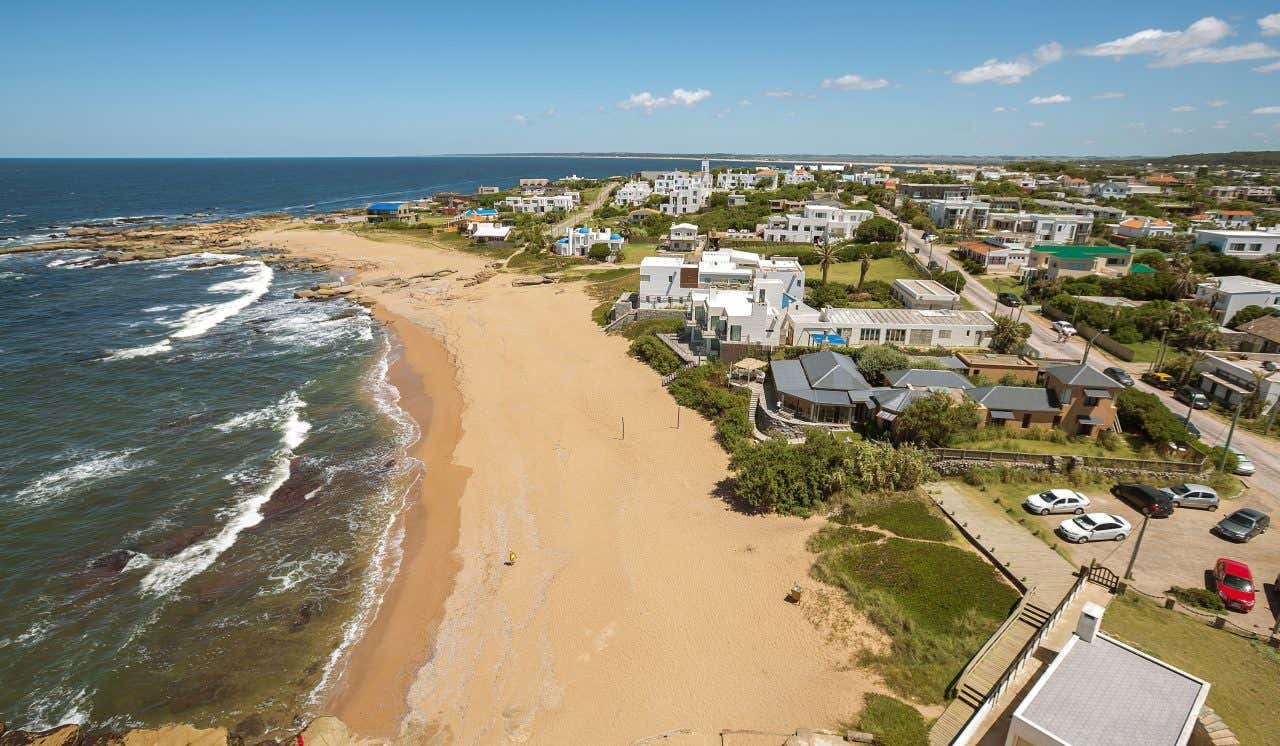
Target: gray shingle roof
{"x": 1107, "y": 694}
{"x": 898, "y": 400}
{"x": 1082, "y": 375}
{"x": 1014, "y": 398}
{"x": 945, "y": 379}
{"x": 832, "y": 371}
{"x": 789, "y": 378}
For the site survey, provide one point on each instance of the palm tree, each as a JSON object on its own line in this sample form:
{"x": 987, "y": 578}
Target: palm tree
{"x": 536, "y": 238}
{"x": 828, "y": 254}
{"x": 1185, "y": 276}
{"x": 864, "y": 269}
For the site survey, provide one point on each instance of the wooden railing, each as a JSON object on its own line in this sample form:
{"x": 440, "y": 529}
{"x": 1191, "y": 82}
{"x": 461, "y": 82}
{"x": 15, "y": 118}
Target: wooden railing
{"x": 991, "y": 641}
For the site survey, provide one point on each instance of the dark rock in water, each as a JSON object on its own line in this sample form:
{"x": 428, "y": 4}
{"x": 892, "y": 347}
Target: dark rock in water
{"x": 250, "y": 727}
{"x": 292, "y": 495}
{"x": 177, "y": 542}
{"x": 111, "y": 563}
{"x": 389, "y": 464}
{"x": 303, "y": 617}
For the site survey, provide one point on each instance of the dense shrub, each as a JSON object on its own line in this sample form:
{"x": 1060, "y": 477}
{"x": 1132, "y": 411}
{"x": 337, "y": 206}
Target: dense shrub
{"x": 1199, "y": 598}
{"x": 934, "y": 418}
{"x": 1143, "y": 413}
{"x": 705, "y": 390}
{"x": 653, "y": 326}
{"x": 657, "y": 354}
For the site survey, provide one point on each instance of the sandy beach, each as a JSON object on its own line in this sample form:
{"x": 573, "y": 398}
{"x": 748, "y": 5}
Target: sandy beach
{"x": 640, "y": 601}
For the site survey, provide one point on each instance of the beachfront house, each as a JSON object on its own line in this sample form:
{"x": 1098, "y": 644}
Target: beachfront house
{"x": 542, "y": 204}
{"x": 389, "y": 212}
{"x": 578, "y": 241}
{"x": 954, "y": 213}
{"x": 821, "y": 386}
{"x": 633, "y": 193}
{"x": 913, "y": 293}
{"x": 1225, "y": 296}
{"x": 805, "y": 326}
{"x": 489, "y": 233}
{"x": 718, "y": 316}
{"x": 1098, "y": 690}
{"x": 820, "y": 222}
{"x": 1241, "y": 244}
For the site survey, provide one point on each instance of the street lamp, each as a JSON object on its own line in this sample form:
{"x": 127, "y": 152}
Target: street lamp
{"x": 1089, "y": 346}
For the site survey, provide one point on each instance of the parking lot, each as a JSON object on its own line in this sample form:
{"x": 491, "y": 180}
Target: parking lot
{"x": 1180, "y": 550}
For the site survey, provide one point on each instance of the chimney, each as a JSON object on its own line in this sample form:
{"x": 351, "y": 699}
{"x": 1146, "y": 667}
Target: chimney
{"x": 1090, "y": 621}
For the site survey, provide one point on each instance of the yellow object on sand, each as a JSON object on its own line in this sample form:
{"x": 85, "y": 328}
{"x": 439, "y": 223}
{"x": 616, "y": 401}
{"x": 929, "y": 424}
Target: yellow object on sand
{"x": 511, "y": 558}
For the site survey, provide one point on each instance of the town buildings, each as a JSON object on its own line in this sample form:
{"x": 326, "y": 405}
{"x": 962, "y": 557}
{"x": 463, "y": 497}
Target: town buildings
{"x": 820, "y": 222}
{"x": 578, "y": 241}
{"x": 1225, "y": 296}
{"x": 1242, "y": 244}
{"x": 999, "y": 252}
{"x": 906, "y": 327}
{"x": 798, "y": 175}
{"x": 1143, "y": 227}
{"x": 389, "y": 212}
{"x": 1051, "y": 261}
{"x": 685, "y": 192}
{"x": 936, "y": 191}
{"x": 633, "y": 193}
{"x": 956, "y": 213}
{"x": 1045, "y": 227}
{"x": 1229, "y": 378}
{"x": 759, "y": 178}
{"x": 924, "y": 294}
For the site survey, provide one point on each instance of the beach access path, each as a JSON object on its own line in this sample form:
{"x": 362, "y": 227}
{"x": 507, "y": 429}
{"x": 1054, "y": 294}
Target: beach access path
{"x": 640, "y": 601}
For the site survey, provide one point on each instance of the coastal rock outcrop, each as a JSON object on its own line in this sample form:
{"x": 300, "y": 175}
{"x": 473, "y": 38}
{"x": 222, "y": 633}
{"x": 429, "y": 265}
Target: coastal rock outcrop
{"x": 173, "y": 735}
{"x": 328, "y": 731}
{"x": 63, "y": 735}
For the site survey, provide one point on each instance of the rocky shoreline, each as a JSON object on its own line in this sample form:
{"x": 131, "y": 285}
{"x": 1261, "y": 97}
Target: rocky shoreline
{"x": 250, "y": 732}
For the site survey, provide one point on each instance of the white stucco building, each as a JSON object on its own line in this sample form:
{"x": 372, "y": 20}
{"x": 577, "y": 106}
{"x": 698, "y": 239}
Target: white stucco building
{"x": 798, "y": 175}
{"x": 671, "y": 280}
{"x": 578, "y": 241}
{"x": 1242, "y": 244}
{"x": 543, "y": 204}
{"x": 734, "y": 180}
{"x": 823, "y": 220}
{"x": 1227, "y": 295}
{"x": 953, "y": 213}
{"x": 1046, "y": 227}
{"x": 905, "y": 327}
{"x": 632, "y": 193}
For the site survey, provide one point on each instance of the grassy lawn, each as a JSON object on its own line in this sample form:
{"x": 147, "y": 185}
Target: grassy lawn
{"x": 991, "y": 439}
{"x": 1001, "y": 284}
{"x": 886, "y": 270}
{"x": 1245, "y": 674}
{"x": 938, "y": 603}
{"x": 606, "y": 285}
{"x": 1145, "y": 351}
{"x": 908, "y": 516}
{"x": 423, "y": 236}
{"x": 634, "y": 251}
{"x": 892, "y": 722}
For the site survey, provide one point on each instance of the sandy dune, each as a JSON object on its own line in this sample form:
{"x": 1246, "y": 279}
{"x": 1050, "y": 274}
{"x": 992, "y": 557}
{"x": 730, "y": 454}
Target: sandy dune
{"x": 639, "y": 602}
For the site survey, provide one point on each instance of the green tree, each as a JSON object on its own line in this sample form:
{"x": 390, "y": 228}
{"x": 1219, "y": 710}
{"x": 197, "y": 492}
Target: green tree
{"x": 874, "y": 360}
{"x": 1184, "y": 276}
{"x": 1247, "y": 314}
{"x": 934, "y": 418}
{"x": 536, "y": 238}
{"x": 1008, "y": 336}
{"x": 877, "y": 230}
{"x": 828, "y": 254}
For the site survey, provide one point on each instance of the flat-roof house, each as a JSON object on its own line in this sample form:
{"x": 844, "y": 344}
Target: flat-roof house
{"x": 936, "y": 191}
{"x": 954, "y": 213}
{"x": 668, "y": 280}
{"x": 906, "y": 327}
{"x": 1052, "y": 261}
{"x": 1100, "y": 692}
{"x": 913, "y": 293}
{"x": 388, "y": 212}
{"x": 734, "y": 180}
{"x": 632, "y": 193}
{"x": 821, "y": 386}
{"x": 542, "y": 204}
{"x": 578, "y": 241}
{"x": 821, "y": 221}
{"x": 1225, "y": 296}
{"x": 1052, "y": 228}
{"x": 996, "y": 366}
{"x": 1242, "y": 220}
{"x": 996, "y": 252}
{"x": 1228, "y": 378}
{"x": 682, "y": 237}
{"x": 1242, "y": 244}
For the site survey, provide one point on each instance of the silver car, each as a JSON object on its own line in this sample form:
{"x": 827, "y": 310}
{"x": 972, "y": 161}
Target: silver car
{"x": 1193, "y": 496}
{"x": 1244, "y": 465}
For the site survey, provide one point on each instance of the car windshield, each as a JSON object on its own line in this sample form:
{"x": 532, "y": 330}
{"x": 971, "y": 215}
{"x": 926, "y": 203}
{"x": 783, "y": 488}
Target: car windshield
{"x": 1085, "y": 521}
{"x": 1181, "y": 489}
{"x": 1047, "y": 496}
{"x": 1239, "y": 584}
{"x": 1243, "y": 520}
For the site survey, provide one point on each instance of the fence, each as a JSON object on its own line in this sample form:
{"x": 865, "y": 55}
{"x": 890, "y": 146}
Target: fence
{"x": 964, "y": 454}
{"x": 1092, "y": 462}
{"x": 1135, "y": 464}
{"x": 1217, "y": 621}
{"x": 1087, "y": 332}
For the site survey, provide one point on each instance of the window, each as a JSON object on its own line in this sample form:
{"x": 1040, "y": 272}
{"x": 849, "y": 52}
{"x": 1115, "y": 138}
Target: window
{"x": 1255, "y": 247}
{"x": 869, "y": 335}
{"x": 895, "y": 335}
{"x": 644, "y": 278}
{"x": 1235, "y": 247}
{"x": 735, "y": 333}
{"x": 946, "y": 333}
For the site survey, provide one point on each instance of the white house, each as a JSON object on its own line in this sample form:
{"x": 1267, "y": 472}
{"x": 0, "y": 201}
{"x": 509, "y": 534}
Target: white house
{"x": 1225, "y": 296}
{"x": 682, "y": 237}
{"x": 1001, "y": 251}
{"x": 1046, "y": 227}
{"x": 1144, "y": 227}
{"x": 823, "y": 220}
{"x": 578, "y": 241}
{"x": 1229, "y": 378}
{"x": 632, "y": 193}
{"x": 665, "y": 182}
{"x": 907, "y": 327}
{"x": 721, "y": 316}
{"x": 489, "y": 232}
{"x": 671, "y": 280}
{"x": 543, "y": 204}
{"x": 914, "y": 293}
{"x": 734, "y": 180}
{"x": 952, "y": 213}
{"x": 1098, "y": 690}
{"x": 866, "y": 178}
{"x": 685, "y": 200}
{"x": 1243, "y": 244}
{"x": 1110, "y": 189}
{"x": 736, "y": 200}
{"x": 1234, "y": 219}
{"x": 798, "y": 175}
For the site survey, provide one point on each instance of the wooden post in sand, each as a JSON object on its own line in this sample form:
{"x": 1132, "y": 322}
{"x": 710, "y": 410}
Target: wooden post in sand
{"x": 624, "y": 428}
{"x": 677, "y": 416}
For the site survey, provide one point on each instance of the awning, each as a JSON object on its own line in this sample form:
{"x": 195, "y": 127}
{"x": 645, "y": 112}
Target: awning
{"x": 886, "y": 416}
{"x": 750, "y": 363}
{"x": 1097, "y": 393}
{"x": 1086, "y": 419}
{"x": 998, "y": 415}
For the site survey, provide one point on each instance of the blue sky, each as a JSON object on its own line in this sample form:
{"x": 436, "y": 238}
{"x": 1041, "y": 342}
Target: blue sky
{"x": 392, "y": 78}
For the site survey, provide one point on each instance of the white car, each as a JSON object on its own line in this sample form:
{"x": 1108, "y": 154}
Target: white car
{"x": 1244, "y": 465}
{"x": 1064, "y": 327}
{"x": 1095, "y": 527}
{"x": 1056, "y": 501}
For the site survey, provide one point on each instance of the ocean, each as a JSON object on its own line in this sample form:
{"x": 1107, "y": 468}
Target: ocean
{"x": 199, "y": 473}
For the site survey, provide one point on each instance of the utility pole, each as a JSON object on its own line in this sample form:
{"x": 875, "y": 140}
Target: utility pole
{"x": 1137, "y": 545}
{"x": 1159, "y": 361}
{"x": 1222, "y": 465}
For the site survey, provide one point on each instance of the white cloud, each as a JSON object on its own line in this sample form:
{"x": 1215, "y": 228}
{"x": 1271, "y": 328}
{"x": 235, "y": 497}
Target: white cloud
{"x": 1183, "y": 108}
{"x": 1056, "y": 98}
{"x": 744, "y": 102}
{"x": 999, "y": 109}
{"x": 779, "y": 93}
{"x": 1006, "y": 72}
{"x": 1108, "y": 96}
{"x": 520, "y": 119}
{"x": 679, "y": 97}
{"x": 550, "y": 112}
{"x": 1193, "y": 45}
{"x": 1267, "y": 110}
{"x": 1269, "y": 25}
{"x": 1273, "y": 67}
{"x": 1217, "y": 104}
{"x": 1180, "y": 131}
{"x": 851, "y": 82}
{"x": 1035, "y": 124}
{"x": 1222, "y": 124}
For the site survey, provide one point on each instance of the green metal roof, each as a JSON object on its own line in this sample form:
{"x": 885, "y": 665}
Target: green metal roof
{"x": 1141, "y": 269}
{"x": 1071, "y": 251}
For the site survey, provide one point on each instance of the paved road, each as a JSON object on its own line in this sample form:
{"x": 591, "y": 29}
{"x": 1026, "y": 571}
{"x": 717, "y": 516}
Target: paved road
{"x": 1263, "y": 488}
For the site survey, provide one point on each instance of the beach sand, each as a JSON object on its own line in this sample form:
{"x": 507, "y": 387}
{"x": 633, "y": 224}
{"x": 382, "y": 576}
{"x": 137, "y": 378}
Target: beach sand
{"x": 640, "y": 601}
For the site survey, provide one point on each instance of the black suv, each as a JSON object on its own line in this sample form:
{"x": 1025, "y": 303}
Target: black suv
{"x": 1008, "y": 299}
{"x": 1148, "y": 500}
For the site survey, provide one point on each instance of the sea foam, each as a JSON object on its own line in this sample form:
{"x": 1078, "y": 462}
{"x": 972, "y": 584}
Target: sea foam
{"x": 98, "y": 466}
{"x": 167, "y": 574}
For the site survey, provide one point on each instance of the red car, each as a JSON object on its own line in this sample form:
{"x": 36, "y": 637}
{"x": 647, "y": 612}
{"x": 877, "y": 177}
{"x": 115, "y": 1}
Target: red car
{"x": 1235, "y": 584}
